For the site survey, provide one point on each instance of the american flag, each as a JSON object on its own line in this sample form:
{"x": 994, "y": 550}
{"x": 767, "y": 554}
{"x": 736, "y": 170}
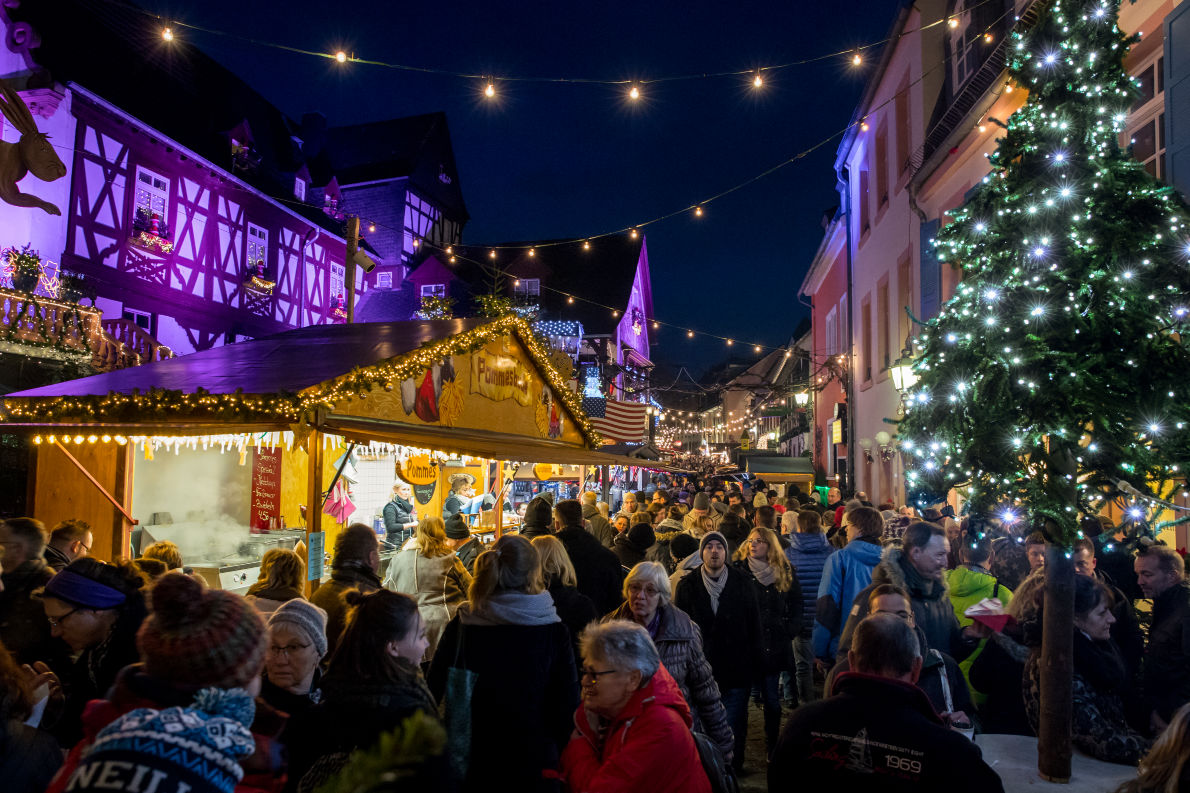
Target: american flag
{"x": 615, "y": 420}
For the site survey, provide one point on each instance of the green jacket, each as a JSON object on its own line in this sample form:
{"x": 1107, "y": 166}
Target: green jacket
{"x": 969, "y": 585}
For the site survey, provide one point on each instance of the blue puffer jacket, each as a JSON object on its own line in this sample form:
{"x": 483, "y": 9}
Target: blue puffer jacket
{"x": 808, "y": 554}
{"x": 845, "y": 575}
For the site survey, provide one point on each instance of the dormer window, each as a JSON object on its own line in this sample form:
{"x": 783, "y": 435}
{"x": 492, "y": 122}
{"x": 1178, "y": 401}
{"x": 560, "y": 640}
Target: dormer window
{"x": 299, "y": 188}
{"x": 384, "y": 280}
{"x": 526, "y": 287}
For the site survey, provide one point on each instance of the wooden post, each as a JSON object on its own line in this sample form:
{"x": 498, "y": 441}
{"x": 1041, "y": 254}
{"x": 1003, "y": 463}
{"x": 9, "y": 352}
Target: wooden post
{"x": 313, "y": 493}
{"x": 349, "y": 265}
{"x": 500, "y": 502}
{"x": 1054, "y": 747}
{"x": 606, "y": 490}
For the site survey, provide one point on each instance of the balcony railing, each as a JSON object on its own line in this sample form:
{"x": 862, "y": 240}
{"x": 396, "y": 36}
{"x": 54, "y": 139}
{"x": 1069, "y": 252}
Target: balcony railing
{"x": 41, "y": 327}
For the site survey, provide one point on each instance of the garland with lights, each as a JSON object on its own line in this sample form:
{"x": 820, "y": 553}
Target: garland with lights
{"x": 159, "y": 404}
{"x": 1059, "y": 367}
{"x": 436, "y": 307}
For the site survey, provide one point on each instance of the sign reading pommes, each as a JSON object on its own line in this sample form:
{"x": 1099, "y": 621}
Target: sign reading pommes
{"x": 499, "y": 377}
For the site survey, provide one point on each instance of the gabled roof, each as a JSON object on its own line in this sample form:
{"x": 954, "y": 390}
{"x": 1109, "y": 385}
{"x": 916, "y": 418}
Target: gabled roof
{"x": 603, "y": 273}
{"x": 417, "y": 147}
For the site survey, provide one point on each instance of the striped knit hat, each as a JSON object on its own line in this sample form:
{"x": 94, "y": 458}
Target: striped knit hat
{"x": 201, "y": 637}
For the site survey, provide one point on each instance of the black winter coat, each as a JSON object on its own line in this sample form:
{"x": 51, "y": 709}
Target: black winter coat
{"x": 932, "y": 609}
{"x": 29, "y": 758}
{"x": 329, "y": 597}
{"x": 1167, "y": 661}
{"x": 780, "y": 620}
{"x": 732, "y": 636}
{"x": 526, "y": 693}
{"x": 575, "y": 610}
{"x": 629, "y": 553}
{"x": 468, "y": 552}
{"x": 397, "y": 513}
{"x": 352, "y": 714}
{"x": 879, "y": 734}
{"x": 997, "y": 672}
{"x": 24, "y": 630}
{"x": 598, "y": 570}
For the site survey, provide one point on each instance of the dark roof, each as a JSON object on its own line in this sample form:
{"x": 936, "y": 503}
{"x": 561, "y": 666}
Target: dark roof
{"x": 775, "y": 464}
{"x": 285, "y": 362}
{"x": 603, "y": 273}
{"x": 417, "y": 147}
{"x": 386, "y": 305}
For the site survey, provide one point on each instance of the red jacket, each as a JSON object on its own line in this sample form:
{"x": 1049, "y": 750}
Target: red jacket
{"x": 647, "y": 748}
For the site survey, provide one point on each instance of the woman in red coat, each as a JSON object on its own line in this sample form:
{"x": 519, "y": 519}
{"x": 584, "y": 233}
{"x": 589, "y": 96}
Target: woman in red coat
{"x": 632, "y": 729}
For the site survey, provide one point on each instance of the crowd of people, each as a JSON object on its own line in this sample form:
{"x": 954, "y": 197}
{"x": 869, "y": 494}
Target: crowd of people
{"x": 605, "y": 648}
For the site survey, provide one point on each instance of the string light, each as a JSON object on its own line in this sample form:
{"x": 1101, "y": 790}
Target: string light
{"x": 371, "y": 228}
{"x": 489, "y": 91}
{"x": 757, "y": 81}
{"x": 634, "y": 93}
{"x": 341, "y": 56}
{"x": 698, "y": 211}
{"x": 586, "y": 245}
{"x": 532, "y": 252}
{"x": 856, "y": 59}
{"x": 167, "y": 34}
{"x": 633, "y": 234}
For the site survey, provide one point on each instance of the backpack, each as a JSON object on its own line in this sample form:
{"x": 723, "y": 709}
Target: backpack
{"x": 718, "y": 771}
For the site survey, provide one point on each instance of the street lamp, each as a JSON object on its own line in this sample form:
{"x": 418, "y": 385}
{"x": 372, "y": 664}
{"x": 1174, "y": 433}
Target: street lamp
{"x": 903, "y": 376}
{"x": 802, "y": 398}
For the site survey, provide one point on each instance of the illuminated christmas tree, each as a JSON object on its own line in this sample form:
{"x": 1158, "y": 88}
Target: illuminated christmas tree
{"x": 1057, "y": 377}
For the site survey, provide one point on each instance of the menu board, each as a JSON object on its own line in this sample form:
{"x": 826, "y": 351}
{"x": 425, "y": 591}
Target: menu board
{"x": 266, "y": 489}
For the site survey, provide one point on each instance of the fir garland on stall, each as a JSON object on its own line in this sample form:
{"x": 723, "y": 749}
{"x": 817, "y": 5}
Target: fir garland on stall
{"x": 1065, "y": 339}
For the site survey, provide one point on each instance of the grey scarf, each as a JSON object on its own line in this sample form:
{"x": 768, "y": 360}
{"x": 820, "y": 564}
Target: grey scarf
{"x": 763, "y": 571}
{"x": 714, "y": 586}
{"x": 512, "y": 608}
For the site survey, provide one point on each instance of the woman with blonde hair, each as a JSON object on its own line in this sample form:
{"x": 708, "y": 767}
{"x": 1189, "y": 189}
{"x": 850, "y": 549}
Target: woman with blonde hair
{"x": 779, "y": 594}
{"x": 575, "y": 609}
{"x": 427, "y": 570}
{"x": 1165, "y": 768}
{"x": 509, "y": 637}
{"x": 282, "y": 576}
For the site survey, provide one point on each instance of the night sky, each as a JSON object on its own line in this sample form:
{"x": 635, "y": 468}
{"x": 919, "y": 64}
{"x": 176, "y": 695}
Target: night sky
{"x": 552, "y": 160}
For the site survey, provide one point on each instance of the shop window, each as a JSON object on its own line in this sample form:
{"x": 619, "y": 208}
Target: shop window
{"x": 433, "y": 290}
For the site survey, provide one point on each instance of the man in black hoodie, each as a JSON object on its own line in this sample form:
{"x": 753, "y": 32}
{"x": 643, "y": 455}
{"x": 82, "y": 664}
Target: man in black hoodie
{"x": 879, "y": 730}
{"x": 597, "y": 569}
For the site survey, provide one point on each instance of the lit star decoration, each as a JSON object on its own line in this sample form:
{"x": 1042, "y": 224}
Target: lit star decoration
{"x": 1065, "y": 340}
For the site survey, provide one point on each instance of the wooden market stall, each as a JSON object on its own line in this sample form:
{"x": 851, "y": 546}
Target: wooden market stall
{"x": 248, "y": 436}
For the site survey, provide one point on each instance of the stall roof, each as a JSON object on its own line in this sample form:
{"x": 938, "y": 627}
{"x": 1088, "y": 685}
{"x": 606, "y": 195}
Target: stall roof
{"x": 289, "y": 361}
{"x": 274, "y": 382}
{"x": 779, "y": 467}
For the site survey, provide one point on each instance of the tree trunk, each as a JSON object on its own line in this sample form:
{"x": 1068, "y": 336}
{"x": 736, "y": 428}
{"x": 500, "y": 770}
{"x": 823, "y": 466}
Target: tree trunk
{"x": 1057, "y": 667}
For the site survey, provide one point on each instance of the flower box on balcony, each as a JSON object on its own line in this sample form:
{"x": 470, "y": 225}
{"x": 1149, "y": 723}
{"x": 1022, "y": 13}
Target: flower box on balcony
{"x": 150, "y": 232}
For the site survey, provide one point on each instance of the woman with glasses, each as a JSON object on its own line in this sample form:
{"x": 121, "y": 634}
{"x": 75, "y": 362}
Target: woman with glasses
{"x": 297, "y": 642}
{"x": 632, "y": 730}
{"x": 372, "y": 684}
{"x": 96, "y": 609}
{"x": 509, "y": 637}
{"x": 648, "y": 601}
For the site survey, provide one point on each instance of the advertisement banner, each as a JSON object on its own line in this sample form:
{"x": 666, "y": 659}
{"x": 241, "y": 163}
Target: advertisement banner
{"x": 499, "y": 376}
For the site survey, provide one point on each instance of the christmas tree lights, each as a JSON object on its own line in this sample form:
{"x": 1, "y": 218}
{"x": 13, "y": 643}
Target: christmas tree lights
{"x": 1055, "y": 379}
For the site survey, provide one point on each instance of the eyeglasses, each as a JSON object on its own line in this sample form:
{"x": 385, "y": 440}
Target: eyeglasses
{"x": 587, "y": 671}
{"x": 287, "y": 650}
{"x": 636, "y": 589}
{"x": 57, "y": 621}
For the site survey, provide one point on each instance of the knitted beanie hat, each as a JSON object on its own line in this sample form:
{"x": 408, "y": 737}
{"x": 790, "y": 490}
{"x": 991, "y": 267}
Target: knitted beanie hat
{"x": 305, "y": 617}
{"x": 201, "y": 637}
{"x": 539, "y": 513}
{"x": 711, "y": 535}
{"x": 702, "y": 501}
{"x": 456, "y": 527}
{"x": 642, "y": 536}
{"x": 682, "y": 545}
{"x": 193, "y": 749}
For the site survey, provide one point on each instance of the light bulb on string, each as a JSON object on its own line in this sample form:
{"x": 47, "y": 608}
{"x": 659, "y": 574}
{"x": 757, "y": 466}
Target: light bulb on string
{"x": 341, "y": 56}
{"x": 634, "y": 93}
{"x": 489, "y": 91}
{"x": 532, "y": 252}
{"x": 586, "y": 245}
{"x": 757, "y": 81}
{"x": 856, "y": 59}
{"x": 167, "y": 34}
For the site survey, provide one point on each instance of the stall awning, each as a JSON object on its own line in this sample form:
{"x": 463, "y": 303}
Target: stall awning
{"x": 778, "y": 468}
{"x": 479, "y": 387}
